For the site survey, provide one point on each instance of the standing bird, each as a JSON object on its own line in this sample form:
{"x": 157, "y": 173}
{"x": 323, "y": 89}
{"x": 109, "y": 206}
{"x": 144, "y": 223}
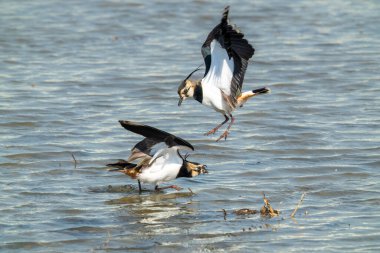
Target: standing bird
{"x": 160, "y": 160}
{"x": 226, "y": 54}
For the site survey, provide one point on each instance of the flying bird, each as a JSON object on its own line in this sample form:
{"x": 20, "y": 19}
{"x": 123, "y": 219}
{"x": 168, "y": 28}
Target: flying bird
{"x": 226, "y": 54}
{"x": 159, "y": 159}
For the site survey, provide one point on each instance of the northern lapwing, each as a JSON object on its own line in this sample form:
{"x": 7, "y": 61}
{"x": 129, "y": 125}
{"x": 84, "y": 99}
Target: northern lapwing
{"x": 159, "y": 157}
{"x": 226, "y": 54}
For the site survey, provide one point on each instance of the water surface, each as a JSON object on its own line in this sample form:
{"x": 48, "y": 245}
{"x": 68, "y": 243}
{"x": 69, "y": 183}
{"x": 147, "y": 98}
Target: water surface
{"x": 70, "y": 71}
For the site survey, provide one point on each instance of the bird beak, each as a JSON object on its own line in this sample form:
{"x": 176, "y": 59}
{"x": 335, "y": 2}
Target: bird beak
{"x": 180, "y": 101}
{"x": 204, "y": 170}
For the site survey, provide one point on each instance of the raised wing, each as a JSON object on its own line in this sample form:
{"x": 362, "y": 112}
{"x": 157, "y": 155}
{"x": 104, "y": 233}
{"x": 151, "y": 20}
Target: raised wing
{"x": 155, "y": 139}
{"x": 226, "y": 54}
{"x": 146, "y": 148}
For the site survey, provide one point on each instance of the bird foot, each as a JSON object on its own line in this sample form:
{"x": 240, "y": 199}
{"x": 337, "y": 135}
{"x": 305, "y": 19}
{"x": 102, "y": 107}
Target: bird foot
{"x": 212, "y": 131}
{"x": 168, "y": 187}
{"x": 176, "y": 187}
{"x": 224, "y": 135}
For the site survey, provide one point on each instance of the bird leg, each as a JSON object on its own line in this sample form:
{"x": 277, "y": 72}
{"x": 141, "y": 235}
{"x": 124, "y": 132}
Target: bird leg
{"x": 140, "y": 190}
{"x": 225, "y": 134}
{"x": 212, "y": 131}
{"x": 168, "y": 187}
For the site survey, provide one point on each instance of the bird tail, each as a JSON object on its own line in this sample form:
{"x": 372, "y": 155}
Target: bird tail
{"x": 248, "y": 94}
{"x": 260, "y": 91}
{"x": 125, "y": 167}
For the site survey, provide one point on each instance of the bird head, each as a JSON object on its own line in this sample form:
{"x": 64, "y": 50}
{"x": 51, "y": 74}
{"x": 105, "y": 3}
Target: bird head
{"x": 187, "y": 87}
{"x": 193, "y": 168}
{"x": 185, "y": 90}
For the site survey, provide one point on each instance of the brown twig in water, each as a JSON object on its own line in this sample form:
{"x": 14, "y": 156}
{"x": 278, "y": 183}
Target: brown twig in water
{"x": 75, "y": 160}
{"x": 298, "y": 205}
{"x": 191, "y": 191}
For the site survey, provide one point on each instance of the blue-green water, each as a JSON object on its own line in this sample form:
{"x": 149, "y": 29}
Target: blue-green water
{"x": 69, "y": 70}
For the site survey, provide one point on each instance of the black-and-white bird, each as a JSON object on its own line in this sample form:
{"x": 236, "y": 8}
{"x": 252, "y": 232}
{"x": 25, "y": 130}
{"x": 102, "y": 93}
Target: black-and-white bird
{"x": 159, "y": 157}
{"x": 226, "y": 54}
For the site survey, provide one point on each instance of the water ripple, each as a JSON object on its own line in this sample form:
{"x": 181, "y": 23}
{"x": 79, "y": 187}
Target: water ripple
{"x": 70, "y": 72}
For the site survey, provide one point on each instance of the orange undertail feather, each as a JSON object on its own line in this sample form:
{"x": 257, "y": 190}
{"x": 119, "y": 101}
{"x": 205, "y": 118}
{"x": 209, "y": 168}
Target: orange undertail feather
{"x": 248, "y": 94}
{"x": 131, "y": 172}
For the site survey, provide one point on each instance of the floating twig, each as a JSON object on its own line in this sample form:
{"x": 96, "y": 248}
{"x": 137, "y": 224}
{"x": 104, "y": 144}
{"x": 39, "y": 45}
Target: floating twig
{"x": 298, "y": 205}
{"x": 75, "y": 160}
{"x": 225, "y": 214}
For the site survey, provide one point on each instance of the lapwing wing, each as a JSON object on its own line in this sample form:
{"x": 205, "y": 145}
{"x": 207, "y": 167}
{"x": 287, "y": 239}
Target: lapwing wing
{"x": 226, "y": 54}
{"x": 158, "y": 156}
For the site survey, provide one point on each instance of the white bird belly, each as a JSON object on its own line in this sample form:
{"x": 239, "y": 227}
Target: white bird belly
{"x": 218, "y": 79}
{"x": 163, "y": 169}
{"x": 212, "y": 97}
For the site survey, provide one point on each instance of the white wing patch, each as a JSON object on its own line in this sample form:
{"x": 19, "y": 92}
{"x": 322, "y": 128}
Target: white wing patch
{"x": 164, "y": 166}
{"x": 221, "y": 69}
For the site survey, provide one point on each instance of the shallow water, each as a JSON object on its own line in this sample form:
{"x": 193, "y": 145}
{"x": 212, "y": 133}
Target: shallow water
{"x": 70, "y": 71}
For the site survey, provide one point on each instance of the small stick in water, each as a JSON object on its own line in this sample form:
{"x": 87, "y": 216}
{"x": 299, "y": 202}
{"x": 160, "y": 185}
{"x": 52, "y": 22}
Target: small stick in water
{"x": 75, "y": 160}
{"x": 298, "y": 205}
{"x": 225, "y": 214}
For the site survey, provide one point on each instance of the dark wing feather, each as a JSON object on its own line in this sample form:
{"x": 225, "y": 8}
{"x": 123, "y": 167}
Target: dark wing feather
{"x": 146, "y": 147}
{"x": 232, "y": 40}
{"x": 153, "y": 136}
{"x": 121, "y": 164}
{"x": 206, "y": 50}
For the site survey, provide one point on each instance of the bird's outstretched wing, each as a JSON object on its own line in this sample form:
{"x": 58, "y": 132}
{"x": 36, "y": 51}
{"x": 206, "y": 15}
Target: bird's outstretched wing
{"x": 226, "y": 54}
{"x": 155, "y": 139}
